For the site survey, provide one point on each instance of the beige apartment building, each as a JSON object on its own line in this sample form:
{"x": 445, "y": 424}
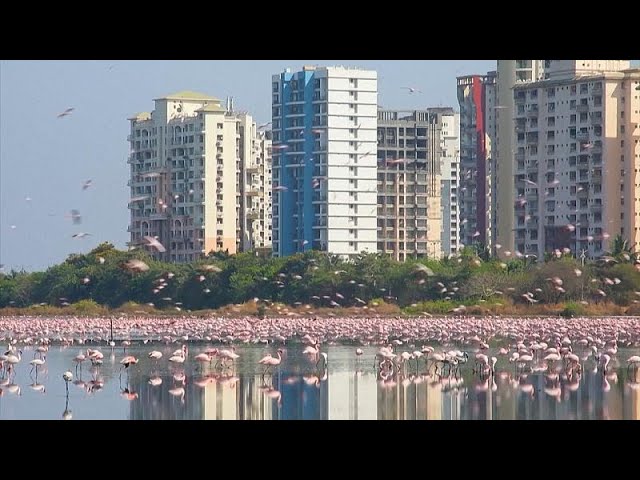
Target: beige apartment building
{"x": 410, "y": 154}
{"x": 576, "y": 157}
{"x": 199, "y": 178}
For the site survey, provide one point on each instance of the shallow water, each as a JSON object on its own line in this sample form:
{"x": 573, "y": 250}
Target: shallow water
{"x": 348, "y": 389}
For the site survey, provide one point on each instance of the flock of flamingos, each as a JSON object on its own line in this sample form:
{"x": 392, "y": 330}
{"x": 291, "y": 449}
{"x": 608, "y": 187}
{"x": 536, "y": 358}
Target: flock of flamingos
{"x": 404, "y": 346}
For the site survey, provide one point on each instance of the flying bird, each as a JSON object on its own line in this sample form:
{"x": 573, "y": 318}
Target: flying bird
{"x": 154, "y": 243}
{"x": 75, "y": 217}
{"x": 412, "y": 89}
{"x": 68, "y": 111}
{"x": 87, "y": 184}
{"x": 80, "y": 235}
{"x": 136, "y": 265}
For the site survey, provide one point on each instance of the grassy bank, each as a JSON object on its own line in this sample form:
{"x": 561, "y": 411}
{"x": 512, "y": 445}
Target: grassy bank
{"x": 373, "y": 308}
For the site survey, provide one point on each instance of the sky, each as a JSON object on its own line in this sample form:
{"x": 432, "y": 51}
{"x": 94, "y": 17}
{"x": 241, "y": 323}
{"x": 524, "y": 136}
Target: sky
{"x": 44, "y": 160}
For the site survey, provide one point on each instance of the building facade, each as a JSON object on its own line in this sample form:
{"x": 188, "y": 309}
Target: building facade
{"x": 253, "y": 187}
{"x": 509, "y": 73}
{"x": 410, "y": 156}
{"x": 477, "y": 99}
{"x": 188, "y": 158}
{"x": 577, "y": 157}
{"x": 324, "y": 160}
{"x": 450, "y": 178}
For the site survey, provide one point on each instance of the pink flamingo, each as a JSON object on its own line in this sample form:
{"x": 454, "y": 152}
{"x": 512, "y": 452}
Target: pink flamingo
{"x": 269, "y": 361}
{"x": 633, "y": 362}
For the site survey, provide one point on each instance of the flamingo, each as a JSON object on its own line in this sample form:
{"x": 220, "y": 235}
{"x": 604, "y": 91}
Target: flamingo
{"x": 633, "y": 362}
{"x": 324, "y": 359}
{"x": 269, "y": 361}
{"x": 127, "y": 361}
{"x": 178, "y": 392}
{"x": 604, "y": 362}
{"x": 37, "y": 362}
{"x": 229, "y": 354}
{"x": 67, "y": 377}
{"x": 155, "y": 354}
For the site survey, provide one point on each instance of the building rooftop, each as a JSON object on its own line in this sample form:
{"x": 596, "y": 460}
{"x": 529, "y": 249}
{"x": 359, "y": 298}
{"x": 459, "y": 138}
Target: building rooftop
{"x": 188, "y": 95}
{"x": 551, "y": 82}
{"x": 212, "y": 107}
{"x": 141, "y": 117}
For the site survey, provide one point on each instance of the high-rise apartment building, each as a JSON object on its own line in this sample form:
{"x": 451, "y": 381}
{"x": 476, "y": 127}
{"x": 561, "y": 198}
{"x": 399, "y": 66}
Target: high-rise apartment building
{"x": 450, "y": 170}
{"x": 324, "y": 160}
{"x": 477, "y": 99}
{"x": 191, "y": 160}
{"x": 487, "y": 152}
{"x": 411, "y": 147}
{"x": 509, "y": 73}
{"x": 253, "y": 187}
{"x": 577, "y": 155}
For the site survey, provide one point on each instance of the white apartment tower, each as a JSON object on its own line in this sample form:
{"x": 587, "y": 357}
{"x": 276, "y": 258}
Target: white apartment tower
{"x": 253, "y": 187}
{"x": 577, "y": 156}
{"x": 324, "y": 160}
{"x": 189, "y": 160}
{"x": 450, "y": 177}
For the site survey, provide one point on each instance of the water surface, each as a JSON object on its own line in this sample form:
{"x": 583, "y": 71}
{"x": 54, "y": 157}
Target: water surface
{"x": 348, "y": 389}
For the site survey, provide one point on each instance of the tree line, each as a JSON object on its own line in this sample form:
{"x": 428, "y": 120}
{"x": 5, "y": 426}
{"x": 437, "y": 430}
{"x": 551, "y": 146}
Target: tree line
{"x": 323, "y": 280}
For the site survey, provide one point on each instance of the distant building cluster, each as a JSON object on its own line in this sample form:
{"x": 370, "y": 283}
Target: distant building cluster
{"x": 540, "y": 155}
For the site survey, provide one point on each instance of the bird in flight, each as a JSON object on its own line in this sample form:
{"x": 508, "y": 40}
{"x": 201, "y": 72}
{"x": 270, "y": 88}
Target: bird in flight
{"x": 74, "y": 215}
{"x": 87, "y": 184}
{"x": 80, "y": 235}
{"x": 412, "y": 90}
{"x": 396, "y": 161}
{"x": 154, "y": 243}
{"x": 68, "y": 111}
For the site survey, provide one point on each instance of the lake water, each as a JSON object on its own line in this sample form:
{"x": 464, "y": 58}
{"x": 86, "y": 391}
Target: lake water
{"x": 348, "y": 389}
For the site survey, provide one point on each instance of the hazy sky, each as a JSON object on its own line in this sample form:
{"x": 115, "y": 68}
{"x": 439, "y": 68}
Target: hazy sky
{"x": 48, "y": 159}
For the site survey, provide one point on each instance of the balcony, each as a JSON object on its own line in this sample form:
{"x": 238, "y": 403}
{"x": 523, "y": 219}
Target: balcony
{"x": 253, "y": 168}
{"x": 596, "y": 208}
{"x": 520, "y": 128}
{"x": 532, "y": 112}
{"x": 582, "y": 136}
{"x": 253, "y": 192}
{"x": 582, "y": 108}
{"x": 159, "y": 216}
